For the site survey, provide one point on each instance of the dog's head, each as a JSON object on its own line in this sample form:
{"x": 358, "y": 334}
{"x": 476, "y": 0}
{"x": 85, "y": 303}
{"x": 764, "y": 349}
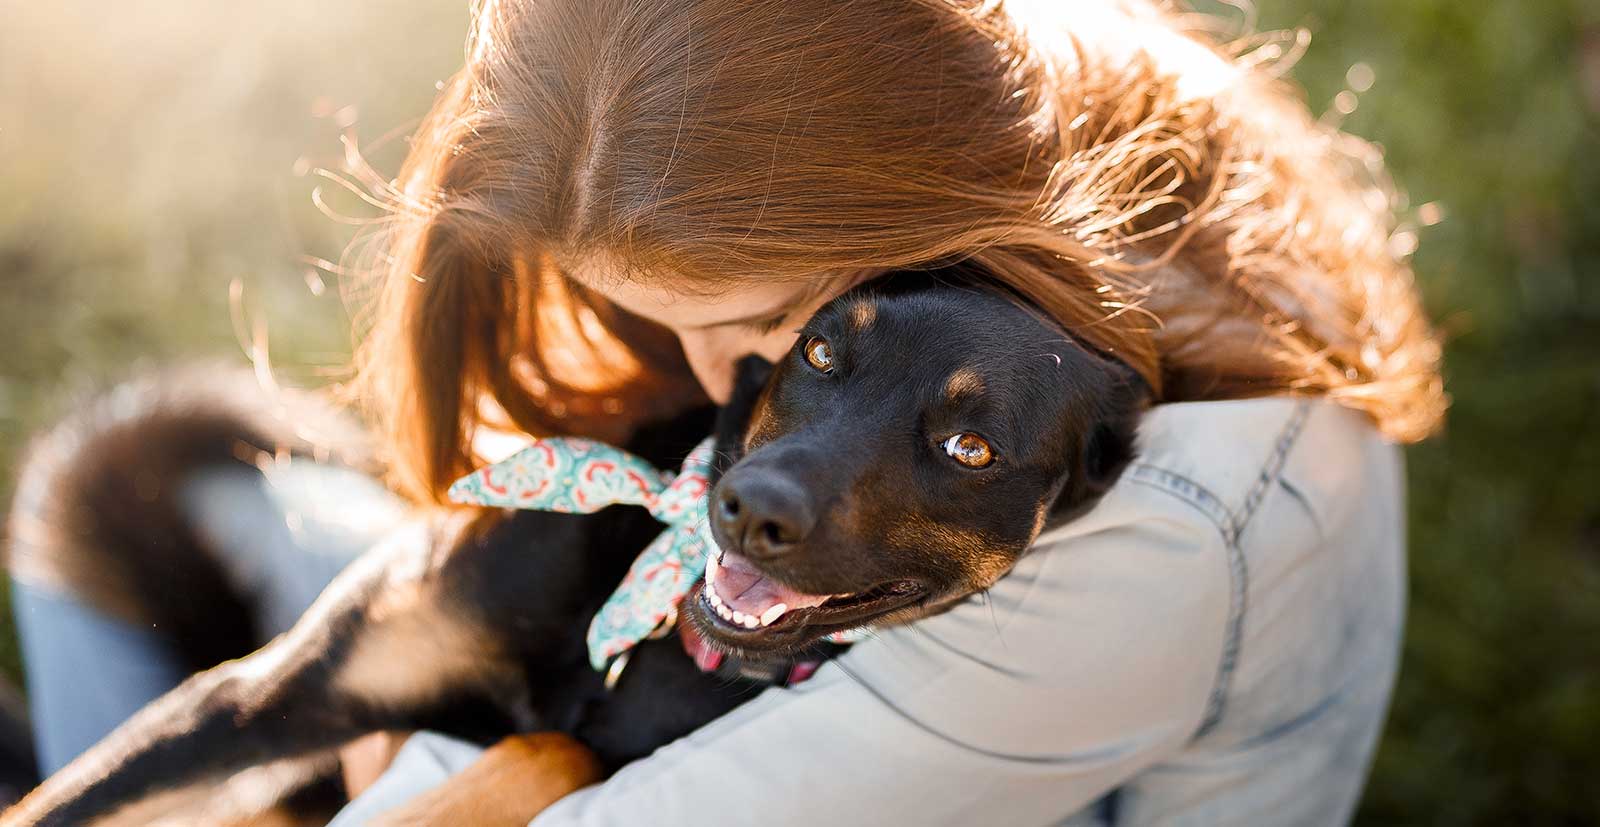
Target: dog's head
{"x": 904, "y": 454}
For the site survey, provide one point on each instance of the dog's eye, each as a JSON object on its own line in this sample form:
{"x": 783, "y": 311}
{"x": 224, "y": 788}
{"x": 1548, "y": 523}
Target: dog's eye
{"x": 970, "y": 450}
{"x": 819, "y": 355}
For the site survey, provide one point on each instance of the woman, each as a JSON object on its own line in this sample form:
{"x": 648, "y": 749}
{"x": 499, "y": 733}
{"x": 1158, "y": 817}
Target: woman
{"x": 613, "y": 200}
{"x": 1218, "y": 639}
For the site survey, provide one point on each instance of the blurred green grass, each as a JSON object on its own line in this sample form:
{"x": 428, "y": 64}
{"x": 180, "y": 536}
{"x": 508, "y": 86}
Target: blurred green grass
{"x": 156, "y": 153}
{"x": 148, "y": 160}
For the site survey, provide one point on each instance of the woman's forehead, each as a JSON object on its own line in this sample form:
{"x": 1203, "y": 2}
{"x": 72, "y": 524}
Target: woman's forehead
{"x": 658, "y": 300}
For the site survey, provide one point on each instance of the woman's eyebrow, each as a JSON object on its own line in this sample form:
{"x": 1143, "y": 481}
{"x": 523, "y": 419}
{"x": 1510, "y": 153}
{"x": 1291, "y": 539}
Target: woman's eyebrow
{"x": 800, "y": 299}
{"x": 754, "y": 318}
{"x": 779, "y": 311}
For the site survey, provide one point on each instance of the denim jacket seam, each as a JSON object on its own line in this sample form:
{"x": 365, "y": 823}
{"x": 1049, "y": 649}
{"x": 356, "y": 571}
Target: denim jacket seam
{"x": 1203, "y": 500}
{"x": 1271, "y": 470}
{"x": 1231, "y": 525}
{"x": 1185, "y": 489}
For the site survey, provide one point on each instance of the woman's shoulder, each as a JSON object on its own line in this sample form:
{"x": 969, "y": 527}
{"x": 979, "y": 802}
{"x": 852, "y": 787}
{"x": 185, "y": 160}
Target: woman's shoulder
{"x": 1121, "y": 623}
{"x": 1215, "y": 484}
{"x": 1222, "y": 458}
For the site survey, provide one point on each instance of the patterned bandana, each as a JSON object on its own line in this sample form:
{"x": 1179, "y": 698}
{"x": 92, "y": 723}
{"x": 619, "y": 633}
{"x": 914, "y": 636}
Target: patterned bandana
{"x": 581, "y": 476}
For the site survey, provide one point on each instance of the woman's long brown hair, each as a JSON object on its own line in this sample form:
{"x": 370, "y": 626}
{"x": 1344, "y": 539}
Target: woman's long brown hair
{"x": 1156, "y": 190}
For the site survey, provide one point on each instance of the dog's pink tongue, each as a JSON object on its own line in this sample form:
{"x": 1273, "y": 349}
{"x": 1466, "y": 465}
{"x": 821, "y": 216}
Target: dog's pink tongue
{"x": 745, "y": 589}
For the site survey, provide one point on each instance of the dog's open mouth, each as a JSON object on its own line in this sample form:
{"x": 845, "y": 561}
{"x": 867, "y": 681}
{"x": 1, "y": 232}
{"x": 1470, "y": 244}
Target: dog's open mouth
{"x": 748, "y": 609}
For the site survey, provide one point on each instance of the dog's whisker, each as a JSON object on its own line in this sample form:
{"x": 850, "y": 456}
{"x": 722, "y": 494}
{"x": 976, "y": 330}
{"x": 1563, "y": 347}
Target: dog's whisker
{"x": 994, "y": 620}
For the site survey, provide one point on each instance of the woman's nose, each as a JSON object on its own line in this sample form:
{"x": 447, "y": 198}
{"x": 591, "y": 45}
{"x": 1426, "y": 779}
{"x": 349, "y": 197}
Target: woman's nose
{"x": 710, "y": 360}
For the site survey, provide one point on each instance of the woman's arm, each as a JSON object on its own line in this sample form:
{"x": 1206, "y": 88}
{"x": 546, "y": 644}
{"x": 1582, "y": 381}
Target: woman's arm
{"x": 1096, "y": 658}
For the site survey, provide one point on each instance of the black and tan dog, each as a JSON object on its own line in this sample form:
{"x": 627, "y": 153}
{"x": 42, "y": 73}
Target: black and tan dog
{"x": 914, "y": 443}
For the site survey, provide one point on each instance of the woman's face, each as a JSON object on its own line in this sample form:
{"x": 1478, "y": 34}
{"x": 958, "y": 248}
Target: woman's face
{"x": 760, "y": 318}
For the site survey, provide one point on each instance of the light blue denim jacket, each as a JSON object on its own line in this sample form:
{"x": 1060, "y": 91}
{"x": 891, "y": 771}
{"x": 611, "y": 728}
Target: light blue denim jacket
{"x": 1214, "y": 643}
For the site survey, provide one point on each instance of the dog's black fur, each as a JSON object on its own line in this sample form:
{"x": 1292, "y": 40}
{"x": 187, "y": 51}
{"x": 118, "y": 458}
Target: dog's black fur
{"x": 476, "y": 626}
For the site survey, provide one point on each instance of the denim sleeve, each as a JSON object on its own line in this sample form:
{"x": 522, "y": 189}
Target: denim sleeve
{"x": 1094, "y": 659}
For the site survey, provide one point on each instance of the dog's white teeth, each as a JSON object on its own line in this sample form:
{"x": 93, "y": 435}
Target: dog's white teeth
{"x": 771, "y": 615}
{"x": 727, "y": 612}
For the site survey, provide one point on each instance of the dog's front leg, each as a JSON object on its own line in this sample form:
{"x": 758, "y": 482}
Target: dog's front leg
{"x": 376, "y": 649}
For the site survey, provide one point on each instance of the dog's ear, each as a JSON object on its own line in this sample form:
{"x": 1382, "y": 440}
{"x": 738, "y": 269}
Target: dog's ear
{"x": 1108, "y": 449}
{"x": 750, "y": 378}
{"x": 1108, "y": 445}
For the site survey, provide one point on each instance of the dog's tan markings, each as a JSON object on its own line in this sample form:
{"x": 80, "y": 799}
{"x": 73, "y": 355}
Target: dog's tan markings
{"x": 983, "y": 558}
{"x": 988, "y": 569}
{"x": 511, "y": 783}
{"x": 1039, "y": 516}
{"x": 247, "y": 798}
{"x": 763, "y": 426}
{"x": 414, "y": 643}
{"x": 396, "y": 601}
{"x": 963, "y": 384}
{"x": 862, "y": 314}
{"x": 848, "y": 516}
{"x": 412, "y": 657}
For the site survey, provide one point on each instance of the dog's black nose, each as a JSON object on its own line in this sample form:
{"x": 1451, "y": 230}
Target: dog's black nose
{"x": 765, "y": 514}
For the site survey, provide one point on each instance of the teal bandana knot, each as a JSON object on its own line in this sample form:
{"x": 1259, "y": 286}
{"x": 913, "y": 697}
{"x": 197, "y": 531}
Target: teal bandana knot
{"x": 581, "y": 476}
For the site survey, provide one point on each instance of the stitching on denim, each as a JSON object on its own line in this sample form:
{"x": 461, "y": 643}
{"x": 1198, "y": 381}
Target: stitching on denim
{"x": 1239, "y": 571}
{"x": 1238, "y": 578}
{"x": 1209, "y": 504}
{"x": 1231, "y": 525}
{"x": 1270, "y": 470}
{"x": 1185, "y": 489}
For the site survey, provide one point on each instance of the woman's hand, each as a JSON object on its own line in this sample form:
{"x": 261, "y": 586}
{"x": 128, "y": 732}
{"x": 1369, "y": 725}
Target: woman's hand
{"x": 361, "y": 761}
{"x": 511, "y": 783}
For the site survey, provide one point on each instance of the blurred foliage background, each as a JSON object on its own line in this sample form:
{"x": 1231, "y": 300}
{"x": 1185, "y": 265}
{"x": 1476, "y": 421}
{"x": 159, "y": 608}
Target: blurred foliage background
{"x": 157, "y": 166}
